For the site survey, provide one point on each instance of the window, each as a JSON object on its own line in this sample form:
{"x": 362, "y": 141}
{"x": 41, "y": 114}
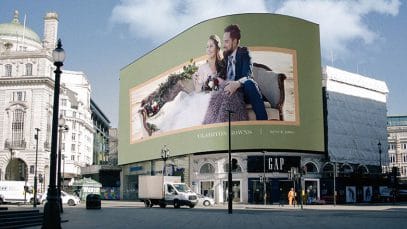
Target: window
{"x": 74, "y": 114}
{"x": 19, "y": 96}
{"x": 63, "y": 102}
{"x": 235, "y": 166}
{"x": 28, "y": 69}
{"x": 73, "y": 136}
{"x": 404, "y": 146}
{"x": 31, "y": 169}
{"x": 63, "y": 146}
{"x": 207, "y": 168}
{"x": 63, "y": 113}
{"x": 73, "y": 147}
{"x": 8, "y": 70}
{"x": 17, "y": 128}
{"x": 73, "y": 125}
{"x": 73, "y": 157}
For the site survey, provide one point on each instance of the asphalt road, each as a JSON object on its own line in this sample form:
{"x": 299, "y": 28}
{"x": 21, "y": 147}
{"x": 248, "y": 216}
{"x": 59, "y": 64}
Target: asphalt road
{"x": 134, "y": 215}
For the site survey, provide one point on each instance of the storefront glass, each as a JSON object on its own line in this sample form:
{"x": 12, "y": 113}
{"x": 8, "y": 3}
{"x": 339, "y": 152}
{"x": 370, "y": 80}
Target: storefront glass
{"x": 235, "y": 189}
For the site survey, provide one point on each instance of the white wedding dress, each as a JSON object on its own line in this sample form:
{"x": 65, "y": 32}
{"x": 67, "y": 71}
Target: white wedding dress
{"x": 185, "y": 110}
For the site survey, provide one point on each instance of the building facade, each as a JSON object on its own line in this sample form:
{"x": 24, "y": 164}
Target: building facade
{"x": 322, "y": 129}
{"x": 26, "y": 100}
{"x": 397, "y": 145}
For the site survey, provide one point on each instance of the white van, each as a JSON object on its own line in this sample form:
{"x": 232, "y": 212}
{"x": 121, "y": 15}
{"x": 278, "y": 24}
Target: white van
{"x": 15, "y": 192}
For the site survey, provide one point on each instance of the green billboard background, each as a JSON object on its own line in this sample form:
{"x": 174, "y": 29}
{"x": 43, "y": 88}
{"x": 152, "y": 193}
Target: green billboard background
{"x": 258, "y": 30}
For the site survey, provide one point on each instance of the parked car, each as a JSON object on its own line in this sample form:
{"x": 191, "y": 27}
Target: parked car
{"x": 67, "y": 198}
{"x": 205, "y": 200}
{"x": 93, "y": 201}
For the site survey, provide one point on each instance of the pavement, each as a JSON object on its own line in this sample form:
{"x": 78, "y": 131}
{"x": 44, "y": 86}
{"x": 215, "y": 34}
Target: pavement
{"x": 128, "y": 214}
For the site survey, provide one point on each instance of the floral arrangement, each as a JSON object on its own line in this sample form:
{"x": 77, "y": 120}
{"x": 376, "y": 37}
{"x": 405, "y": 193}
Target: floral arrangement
{"x": 211, "y": 84}
{"x": 156, "y": 100}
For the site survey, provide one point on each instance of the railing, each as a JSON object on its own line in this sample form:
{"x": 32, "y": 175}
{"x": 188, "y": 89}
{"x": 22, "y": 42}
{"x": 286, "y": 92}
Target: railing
{"x": 16, "y": 144}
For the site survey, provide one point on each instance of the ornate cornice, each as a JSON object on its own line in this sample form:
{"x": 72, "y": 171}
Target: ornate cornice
{"x": 20, "y": 81}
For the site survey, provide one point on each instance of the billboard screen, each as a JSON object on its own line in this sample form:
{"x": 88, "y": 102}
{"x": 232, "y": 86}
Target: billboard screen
{"x": 180, "y": 94}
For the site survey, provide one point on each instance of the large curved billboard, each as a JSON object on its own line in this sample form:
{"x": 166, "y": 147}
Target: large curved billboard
{"x": 181, "y": 93}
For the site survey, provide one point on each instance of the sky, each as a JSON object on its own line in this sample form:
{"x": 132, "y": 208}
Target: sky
{"x": 101, "y": 37}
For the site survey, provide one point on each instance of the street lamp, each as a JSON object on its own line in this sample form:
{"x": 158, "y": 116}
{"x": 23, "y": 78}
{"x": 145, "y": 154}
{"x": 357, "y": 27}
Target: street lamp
{"x": 35, "y": 172}
{"x": 230, "y": 112}
{"x": 62, "y": 128}
{"x": 52, "y": 217}
{"x": 379, "y": 145}
{"x": 165, "y": 154}
{"x": 264, "y": 178}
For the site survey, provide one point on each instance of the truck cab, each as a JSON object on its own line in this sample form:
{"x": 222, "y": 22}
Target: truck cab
{"x": 179, "y": 194}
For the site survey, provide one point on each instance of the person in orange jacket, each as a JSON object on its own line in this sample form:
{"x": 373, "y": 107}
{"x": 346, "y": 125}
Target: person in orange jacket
{"x": 291, "y": 196}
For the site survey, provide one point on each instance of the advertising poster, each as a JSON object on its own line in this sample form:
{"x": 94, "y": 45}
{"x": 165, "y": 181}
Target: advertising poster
{"x": 180, "y": 93}
{"x": 367, "y": 193}
{"x": 350, "y": 194}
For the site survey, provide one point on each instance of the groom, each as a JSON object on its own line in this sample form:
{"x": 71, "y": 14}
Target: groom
{"x": 239, "y": 71}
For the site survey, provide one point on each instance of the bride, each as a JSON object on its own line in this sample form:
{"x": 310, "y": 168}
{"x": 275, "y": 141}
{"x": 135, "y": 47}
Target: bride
{"x": 208, "y": 102}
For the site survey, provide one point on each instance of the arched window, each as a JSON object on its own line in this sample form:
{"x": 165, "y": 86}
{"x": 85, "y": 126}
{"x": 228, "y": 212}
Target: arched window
{"x": 311, "y": 168}
{"x": 207, "y": 168}
{"x": 17, "y": 128}
{"x": 362, "y": 169}
{"x": 29, "y": 69}
{"x": 235, "y": 166}
{"x": 346, "y": 169}
{"x": 8, "y": 70}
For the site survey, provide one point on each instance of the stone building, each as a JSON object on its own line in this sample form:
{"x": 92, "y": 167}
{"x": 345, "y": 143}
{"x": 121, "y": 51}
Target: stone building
{"x": 26, "y": 103}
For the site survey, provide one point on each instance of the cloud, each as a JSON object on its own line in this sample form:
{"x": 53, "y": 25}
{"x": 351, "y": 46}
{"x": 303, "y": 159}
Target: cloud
{"x": 341, "y": 21}
{"x": 160, "y": 20}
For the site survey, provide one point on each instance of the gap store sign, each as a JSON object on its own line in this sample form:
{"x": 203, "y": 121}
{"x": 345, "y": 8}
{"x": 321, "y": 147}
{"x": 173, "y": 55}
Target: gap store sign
{"x": 281, "y": 164}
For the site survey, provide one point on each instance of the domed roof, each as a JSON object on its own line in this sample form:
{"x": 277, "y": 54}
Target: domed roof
{"x": 17, "y": 30}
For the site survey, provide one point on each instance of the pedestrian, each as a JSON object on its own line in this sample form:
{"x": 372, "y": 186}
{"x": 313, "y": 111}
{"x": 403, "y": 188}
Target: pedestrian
{"x": 291, "y": 195}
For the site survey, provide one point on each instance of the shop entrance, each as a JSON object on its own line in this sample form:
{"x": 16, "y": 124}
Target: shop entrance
{"x": 256, "y": 191}
{"x": 207, "y": 189}
{"x": 235, "y": 189}
{"x": 285, "y": 186}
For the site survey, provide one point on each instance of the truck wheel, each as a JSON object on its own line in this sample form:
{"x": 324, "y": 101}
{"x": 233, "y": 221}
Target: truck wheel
{"x": 206, "y": 203}
{"x": 163, "y": 205}
{"x": 147, "y": 203}
{"x": 177, "y": 204}
{"x": 191, "y": 206}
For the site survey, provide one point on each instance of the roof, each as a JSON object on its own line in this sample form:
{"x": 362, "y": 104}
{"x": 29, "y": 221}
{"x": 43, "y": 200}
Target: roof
{"x": 397, "y": 121}
{"x": 15, "y": 29}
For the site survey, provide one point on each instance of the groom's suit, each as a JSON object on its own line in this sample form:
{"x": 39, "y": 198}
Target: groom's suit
{"x": 240, "y": 69}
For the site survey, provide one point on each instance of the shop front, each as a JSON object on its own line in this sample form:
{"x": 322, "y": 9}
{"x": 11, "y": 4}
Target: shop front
{"x": 255, "y": 178}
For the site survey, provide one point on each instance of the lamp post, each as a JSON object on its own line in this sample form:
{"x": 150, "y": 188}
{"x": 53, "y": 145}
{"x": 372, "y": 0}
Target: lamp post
{"x": 35, "y": 172}
{"x": 230, "y": 211}
{"x": 165, "y": 154}
{"x": 52, "y": 217}
{"x": 264, "y": 178}
{"x": 379, "y": 145}
{"x": 63, "y": 171}
{"x": 62, "y": 128}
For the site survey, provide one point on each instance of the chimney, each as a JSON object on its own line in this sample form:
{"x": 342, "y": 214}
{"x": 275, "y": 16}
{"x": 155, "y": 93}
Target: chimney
{"x": 50, "y": 30}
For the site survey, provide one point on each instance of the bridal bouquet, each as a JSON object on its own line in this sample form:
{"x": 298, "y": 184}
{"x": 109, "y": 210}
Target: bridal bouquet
{"x": 211, "y": 84}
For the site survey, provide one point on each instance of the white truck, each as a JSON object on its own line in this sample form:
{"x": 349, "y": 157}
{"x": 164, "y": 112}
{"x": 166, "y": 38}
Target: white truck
{"x": 15, "y": 192}
{"x": 165, "y": 190}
